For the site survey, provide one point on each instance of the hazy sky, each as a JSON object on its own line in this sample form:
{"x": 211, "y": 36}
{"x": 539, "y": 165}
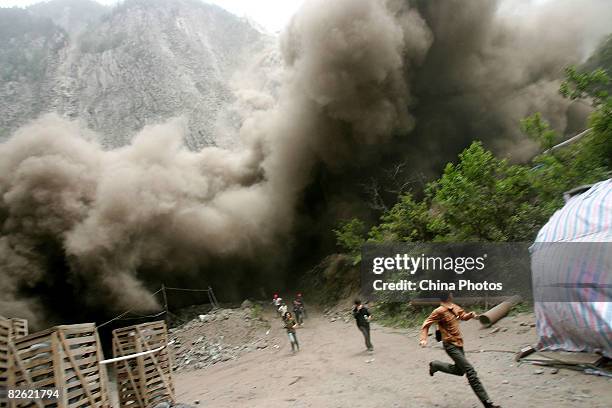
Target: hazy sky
{"x": 272, "y": 14}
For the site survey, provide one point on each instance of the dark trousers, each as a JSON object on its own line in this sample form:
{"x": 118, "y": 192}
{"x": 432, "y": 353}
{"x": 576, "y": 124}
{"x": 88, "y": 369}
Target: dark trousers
{"x": 461, "y": 367}
{"x": 365, "y": 330}
{"x": 299, "y": 317}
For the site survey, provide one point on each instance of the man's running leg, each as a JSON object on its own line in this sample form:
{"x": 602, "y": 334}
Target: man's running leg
{"x": 462, "y": 366}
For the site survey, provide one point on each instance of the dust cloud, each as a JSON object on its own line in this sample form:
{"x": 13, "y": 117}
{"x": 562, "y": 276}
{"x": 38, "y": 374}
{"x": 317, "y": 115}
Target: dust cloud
{"x": 98, "y": 230}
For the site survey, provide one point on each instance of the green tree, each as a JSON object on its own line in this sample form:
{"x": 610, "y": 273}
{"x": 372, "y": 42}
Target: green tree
{"x": 587, "y": 160}
{"x": 350, "y": 236}
{"x": 406, "y": 221}
{"x": 582, "y": 85}
{"x": 539, "y": 130}
{"x": 480, "y": 196}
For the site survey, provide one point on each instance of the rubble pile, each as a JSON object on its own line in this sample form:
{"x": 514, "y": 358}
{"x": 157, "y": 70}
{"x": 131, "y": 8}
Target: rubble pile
{"x": 338, "y": 315}
{"x": 220, "y": 335}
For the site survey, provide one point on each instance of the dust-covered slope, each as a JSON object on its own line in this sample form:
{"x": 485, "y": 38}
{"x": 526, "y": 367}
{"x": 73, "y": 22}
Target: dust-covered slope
{"x": 118, "y": 70}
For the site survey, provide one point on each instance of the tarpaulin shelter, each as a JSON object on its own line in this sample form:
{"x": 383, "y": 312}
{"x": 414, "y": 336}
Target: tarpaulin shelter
{"x": 571, "y": 262}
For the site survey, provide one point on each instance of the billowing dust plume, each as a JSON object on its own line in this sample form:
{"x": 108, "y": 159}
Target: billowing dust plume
{"x": 96, "y": 231}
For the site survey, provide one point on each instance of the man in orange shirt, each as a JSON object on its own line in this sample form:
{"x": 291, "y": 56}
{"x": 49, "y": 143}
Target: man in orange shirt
{"x": 447, "y": 317}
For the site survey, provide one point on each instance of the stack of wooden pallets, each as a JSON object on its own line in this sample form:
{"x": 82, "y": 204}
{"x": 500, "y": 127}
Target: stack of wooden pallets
{"x": 5, "y": 329}
{"x": 146, "y": 380}
{"x": 63, "y": 357}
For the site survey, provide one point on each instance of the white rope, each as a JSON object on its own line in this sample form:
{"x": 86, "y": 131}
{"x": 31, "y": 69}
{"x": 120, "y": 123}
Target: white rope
{"x": 142, "y": 353}
{"x": 569, "y": 141}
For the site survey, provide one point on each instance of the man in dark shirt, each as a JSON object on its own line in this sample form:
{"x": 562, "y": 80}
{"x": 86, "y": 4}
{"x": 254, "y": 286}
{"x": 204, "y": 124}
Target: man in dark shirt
{"x": 362, "y": 317}
{"x": 447, "y": 317}
{"x": 298, "y": 311}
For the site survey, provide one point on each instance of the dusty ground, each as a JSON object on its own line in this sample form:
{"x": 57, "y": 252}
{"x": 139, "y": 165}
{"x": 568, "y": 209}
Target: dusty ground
{"x": 333, "y": 370}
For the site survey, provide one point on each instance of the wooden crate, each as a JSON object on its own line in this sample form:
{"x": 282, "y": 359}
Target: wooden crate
{"x": 63, "y": 357}
{"x": 19, "y": 328}
{"x": 5, "y": 328}
{"x": 143, "y": 381}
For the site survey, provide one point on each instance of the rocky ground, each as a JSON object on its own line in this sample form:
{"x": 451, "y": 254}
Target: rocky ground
{"x": 217, "y": 336}
{"x": 334, "y": 370}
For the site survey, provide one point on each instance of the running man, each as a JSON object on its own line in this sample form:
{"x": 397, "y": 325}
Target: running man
{"x": 362, "y": 317}
{"x": 276, "y": 301}
{"x": 298, "y": 311}
{"x": 447, "y": 317}
{"x": 300, "y": 299}
{"x": 282, "y": 309}
{"x": 289, "y": 324}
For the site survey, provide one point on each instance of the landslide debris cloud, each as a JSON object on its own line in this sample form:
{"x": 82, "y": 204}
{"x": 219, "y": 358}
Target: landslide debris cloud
{"x": 103, "y": 228}
{"x": 101, "y": 224}
{"x": 493, "y": 63}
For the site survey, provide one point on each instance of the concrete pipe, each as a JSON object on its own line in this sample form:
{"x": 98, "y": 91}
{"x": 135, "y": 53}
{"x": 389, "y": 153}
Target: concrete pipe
{"x": 493, "y": 315}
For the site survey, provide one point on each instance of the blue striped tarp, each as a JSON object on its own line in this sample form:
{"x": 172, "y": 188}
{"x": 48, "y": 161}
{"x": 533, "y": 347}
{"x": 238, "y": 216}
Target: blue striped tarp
{"x": 584, "y": 324}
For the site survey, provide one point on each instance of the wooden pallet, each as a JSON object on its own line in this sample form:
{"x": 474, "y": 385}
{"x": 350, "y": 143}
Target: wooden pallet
{"x": 5, "y": 329}
{"x": 143, "y": 381}
{"x": 63, "y": 357}
{"x": 19, "y": 327}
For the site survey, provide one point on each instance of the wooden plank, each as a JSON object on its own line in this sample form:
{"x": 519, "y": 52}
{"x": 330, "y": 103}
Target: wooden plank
{"x": 6, "y": 377}
{"x": 58, "y": 369}
{"x": 124, "y": 368}
{"x": 84, "y": 383}
{"x": 78, "y": 341}
{"x": 24, "y": 373}
{"x": 150, "y": 374}
{"x": 102, "y": 372}
{"x": 30, "y": 352}
{"x": 140, "y": 367}
{"x": 19, "y": 327}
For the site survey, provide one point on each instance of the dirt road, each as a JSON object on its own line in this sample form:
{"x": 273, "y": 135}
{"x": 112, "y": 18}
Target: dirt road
{"x": 334, "y": 370}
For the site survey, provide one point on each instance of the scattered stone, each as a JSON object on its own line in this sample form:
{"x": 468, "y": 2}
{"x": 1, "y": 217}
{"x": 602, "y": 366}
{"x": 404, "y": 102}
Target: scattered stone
{"x": 505, "y": 382}
{"x": 504, "y": 329}
{"x": 495, "y": 330}
{"x": 538, "y": 371}
{"x": 196, "y": 402}
{"x": 163, "y": 405}
{"x": 198, "y": 346}
{"x": 246, "y": 304}
{"x": 554, "y": 371}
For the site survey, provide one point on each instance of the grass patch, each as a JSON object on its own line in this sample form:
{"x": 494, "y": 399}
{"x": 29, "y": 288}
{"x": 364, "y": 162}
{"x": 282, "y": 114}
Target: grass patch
{"x": 400, "y": 315}
{"x": 523, "y": 307}
{"x": 256, "y": 311}
{"x": 404, "y": 315}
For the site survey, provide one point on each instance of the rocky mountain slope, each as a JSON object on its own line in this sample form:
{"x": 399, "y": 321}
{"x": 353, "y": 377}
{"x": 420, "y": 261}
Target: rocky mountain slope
{"x": 119, "y": 69}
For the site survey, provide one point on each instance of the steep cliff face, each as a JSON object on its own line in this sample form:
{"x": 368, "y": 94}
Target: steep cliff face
{"x": 140, "y": 63}
{"x": 30, "y": 51}
{"x": 74, "y": 16}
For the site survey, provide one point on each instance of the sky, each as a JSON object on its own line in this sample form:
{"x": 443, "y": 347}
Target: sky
{"x": 271, "y": 14}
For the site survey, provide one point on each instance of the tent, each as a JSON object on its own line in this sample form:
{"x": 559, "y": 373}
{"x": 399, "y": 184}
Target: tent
{"x": 571, "y": 263}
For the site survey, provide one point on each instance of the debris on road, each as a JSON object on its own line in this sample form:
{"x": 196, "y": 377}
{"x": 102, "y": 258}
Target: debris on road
{"x": 217, "y": 336}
